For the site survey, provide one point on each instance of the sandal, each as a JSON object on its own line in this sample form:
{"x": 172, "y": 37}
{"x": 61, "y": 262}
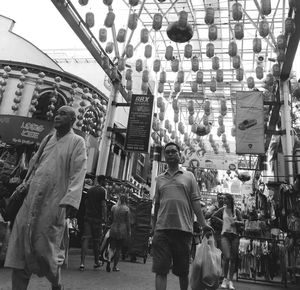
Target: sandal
{"x": 81, "y": 267}
{"x": 115, "y": 269}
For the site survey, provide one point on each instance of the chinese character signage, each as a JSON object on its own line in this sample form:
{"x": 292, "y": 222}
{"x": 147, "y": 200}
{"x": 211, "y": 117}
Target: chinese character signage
{"x": 250, "y": 123}
{"x": 139, "y": 123}
{"x": 23, "y": 130}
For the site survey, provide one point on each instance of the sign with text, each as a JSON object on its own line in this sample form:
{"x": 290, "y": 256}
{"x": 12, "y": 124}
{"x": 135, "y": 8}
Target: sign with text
{"x": 23, "y": 130}
{"x": 139, "y": 123}
{"x": 249, "y": 123}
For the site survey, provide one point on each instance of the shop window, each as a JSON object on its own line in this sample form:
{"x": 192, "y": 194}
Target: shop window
{"x": 44, "y": 102}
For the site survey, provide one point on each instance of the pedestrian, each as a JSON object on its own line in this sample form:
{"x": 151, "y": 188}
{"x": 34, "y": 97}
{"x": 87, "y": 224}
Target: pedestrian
{"x": 177, "y": 199}
{"x": 231, "y": 219}
{"x": 215, "y": 224}
{"x": 94, "y": 219}
{"x": 39, "y": 237}
{"x": 120, "y": 231}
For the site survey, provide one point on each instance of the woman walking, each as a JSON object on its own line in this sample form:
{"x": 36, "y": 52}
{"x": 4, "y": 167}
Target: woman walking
{"x": 120, "y": 229}
{"x": 232, "y": 220}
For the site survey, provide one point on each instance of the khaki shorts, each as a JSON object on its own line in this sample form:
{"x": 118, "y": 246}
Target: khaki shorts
{"x": 171, "y": 249}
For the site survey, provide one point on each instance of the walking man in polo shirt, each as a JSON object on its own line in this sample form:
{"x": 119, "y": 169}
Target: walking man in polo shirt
{"x": 177, "y": 199}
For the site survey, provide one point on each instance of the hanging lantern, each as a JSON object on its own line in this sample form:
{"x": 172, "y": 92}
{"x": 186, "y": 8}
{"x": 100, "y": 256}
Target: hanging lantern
{"x": 194, "y": 128}
{"x": 240, "y": 74}
{"x": 263, "y": 28}
{"x": 290, "y": 26}
{"x": 89, "y": 19}
{"x": 169, "y": 52}
{"x": 259, "y": 71}
{"x": 209, "y": 15}
{"x": 161, "y": 116}
{"x": 210, "y": 50}
{"x": 237, "y": 12}
{"x": 179, "y": 34}
{"x": 212, "y": 32}
{"x": 190, "y": 107}
{"x": 109, "y": 48}
{"x": 199, "y": 77}
{"x": 194, "y": 87}
{"x": 195, "y": 64}
{"x": 256, "y": 45}
{"x": 102, "y": 34}
{"x": 175, "y": 105}
{"x": 221, "y": 120}
{"x": 177, "y": 87}
{"x": 281, "y": 41}
{"x": 232, "y": 48}
{"x": 265, "y": 7}
{"x": 250, "y": 82}
{"x": 281, "y": 55}
{"x": 121, "y": 35}
{"x": 239, "y": 31}
{"x": 129, "y": 85}
{"x": 223, "y": 107}
{"x": 109, "y": 19}
{"x": 207, "y": 107}
{"x": 191, "y": 119}
{"x": 167, "y": 124}
{"x": 183, "y": 18}
{"x": 105, "y": 62}
{"x": 175, "y": 65}
{"x": 133, "y": 2}
{"x": 205, "y": 119}
{"x": 148, "y": 51}
{"x": 107, "y": 2}
{"x": 219, "y": 75}
{"x": 215, "y": 63}
{"x": 144, "y": 35}
{"x": 160, "y": 87}
{"x": 128, "y": 74}
{"x": 145, "y": 76}
{"x": 83, "y": 2}
{"x": 276, "y": 70}
{"x": 269, "y": 80}
{"x": 180, "y": 76}
{"x": 139, "y": 65}
{"x": 144, "y": 87}
{"x": 176, "y": 118}
{"x": 156, "y": 65}
{"x": 213, "y": 85}
{"x": 188, "y": 50}
{"x": 236, "y": 62}
{"x": 121, "y": 64}
{"x": 162, "y": 76}
{"x": 129, "y": 50}
{"x": 132, "y": 21}
{"x": 157, "y": 21}
{"x": 163, "y": 107}
{"x": 159, "y": 102}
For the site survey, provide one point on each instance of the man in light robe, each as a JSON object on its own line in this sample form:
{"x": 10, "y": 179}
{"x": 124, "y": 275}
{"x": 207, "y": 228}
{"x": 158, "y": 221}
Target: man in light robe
{"x": 39, "y": 237}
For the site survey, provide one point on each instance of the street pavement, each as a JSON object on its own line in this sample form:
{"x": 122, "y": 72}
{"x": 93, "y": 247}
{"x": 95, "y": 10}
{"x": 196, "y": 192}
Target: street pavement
{"x": 133, "y": 276}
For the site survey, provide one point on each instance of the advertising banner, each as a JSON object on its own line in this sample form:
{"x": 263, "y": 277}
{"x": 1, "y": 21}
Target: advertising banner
{"x": 139, "y": 123}
{"x": 210, "y": 160}
{"x": 23, "y": 130}
{"x": 250, "y": 135}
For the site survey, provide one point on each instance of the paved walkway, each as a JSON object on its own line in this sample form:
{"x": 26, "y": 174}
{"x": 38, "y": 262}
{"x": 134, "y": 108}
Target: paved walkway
{"x": 133, "y": 276}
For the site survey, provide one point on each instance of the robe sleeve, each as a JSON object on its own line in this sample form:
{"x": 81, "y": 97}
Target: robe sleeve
{"x": 78, "y": 167}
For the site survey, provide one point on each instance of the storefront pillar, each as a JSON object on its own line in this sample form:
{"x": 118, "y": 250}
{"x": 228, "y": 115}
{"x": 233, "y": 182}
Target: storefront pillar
{"x": 287, "y": 141}
{"x": 107, "y": 135}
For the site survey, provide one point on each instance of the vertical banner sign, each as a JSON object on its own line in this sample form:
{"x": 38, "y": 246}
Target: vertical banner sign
{"x": 139, "y": 123}
{"x": 250, "y": 135}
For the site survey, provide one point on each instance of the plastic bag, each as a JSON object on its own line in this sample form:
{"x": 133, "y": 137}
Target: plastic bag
{"x": 206, "y": 267}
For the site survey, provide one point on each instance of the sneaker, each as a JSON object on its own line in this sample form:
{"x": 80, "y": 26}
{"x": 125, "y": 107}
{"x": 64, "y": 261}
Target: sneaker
{"x": 224, "y": 284}
{"x": 81, "y": 267}
{"x": 230, "y": 285}
{"x": 98, "y": 265}
{"x": 108, "y": 267}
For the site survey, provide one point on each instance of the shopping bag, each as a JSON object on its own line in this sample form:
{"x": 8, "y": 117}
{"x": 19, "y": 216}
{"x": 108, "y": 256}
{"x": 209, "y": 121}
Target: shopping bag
{"x": 206, "y": 267}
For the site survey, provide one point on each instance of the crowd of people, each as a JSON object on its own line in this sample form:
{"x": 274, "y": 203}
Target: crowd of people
{"x": 39, "y": 241}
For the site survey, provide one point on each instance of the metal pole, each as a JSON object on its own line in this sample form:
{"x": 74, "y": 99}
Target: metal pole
{"x": 107, "y": 136}
{"x": 286, "y": 121}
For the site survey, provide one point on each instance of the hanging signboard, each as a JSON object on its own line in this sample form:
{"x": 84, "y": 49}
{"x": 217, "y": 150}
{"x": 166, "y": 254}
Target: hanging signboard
{"x": 210, "y": 160}
{"x": 23, "y": 130}
{"x": 139, "y": 123}
{"x": 249, "y": 123}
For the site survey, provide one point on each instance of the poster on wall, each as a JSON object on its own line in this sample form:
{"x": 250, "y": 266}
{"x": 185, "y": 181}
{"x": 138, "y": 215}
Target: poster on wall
{"x": 210, "y": 160}
{"x": 249, "y": 123}
{"x": 139, "y": 123}
{"x": 23, "y": 130}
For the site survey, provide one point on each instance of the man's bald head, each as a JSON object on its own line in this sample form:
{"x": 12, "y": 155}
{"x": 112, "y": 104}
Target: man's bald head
{"x": 70, "y": 111}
